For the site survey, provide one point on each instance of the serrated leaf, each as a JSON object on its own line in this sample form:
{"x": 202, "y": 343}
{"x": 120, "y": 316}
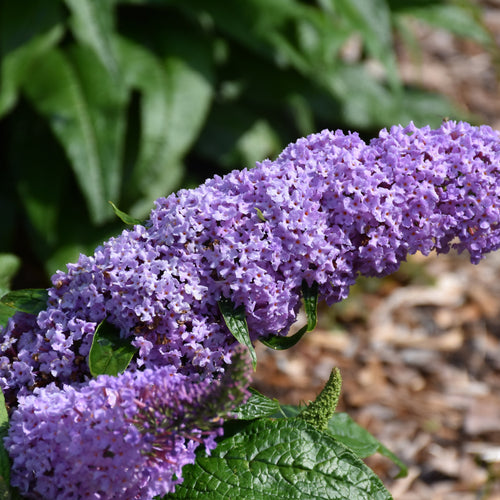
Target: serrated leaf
{"x": 86, "y": 110}
{"x": 124, "y": 216}
{"x": 31, "y": 300}
{"x": 257, "y": 406}
{"x": 274, "y": 459}
{"x": 310, "y": 297}
{"x": 237, "y": 324}
{"x": 358, "y": 439}
{"x": 109, "y": 353}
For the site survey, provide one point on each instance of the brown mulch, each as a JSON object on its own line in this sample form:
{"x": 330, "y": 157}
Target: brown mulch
{"x": 419, "y": 351}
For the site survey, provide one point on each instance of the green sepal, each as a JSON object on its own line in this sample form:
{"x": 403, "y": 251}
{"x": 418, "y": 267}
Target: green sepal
{"x": 237, "y": 324}
{"x": 310, "y": 297}
{"x": 30, "y": 300}
{"x": 110, "y": 354}
{"x": 128, "y": 219}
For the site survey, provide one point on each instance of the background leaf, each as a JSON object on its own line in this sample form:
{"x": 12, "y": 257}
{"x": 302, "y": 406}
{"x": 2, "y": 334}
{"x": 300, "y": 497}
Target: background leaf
{"x": 30, "y": 301}
{"x": 86, "y": 112}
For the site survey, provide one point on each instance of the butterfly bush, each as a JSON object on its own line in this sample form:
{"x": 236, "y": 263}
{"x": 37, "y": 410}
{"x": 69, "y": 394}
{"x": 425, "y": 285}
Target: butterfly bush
{"x": 329, "y": 208}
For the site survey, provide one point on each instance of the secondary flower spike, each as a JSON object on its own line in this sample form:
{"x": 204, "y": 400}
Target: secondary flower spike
{"x": 328, "y": 208}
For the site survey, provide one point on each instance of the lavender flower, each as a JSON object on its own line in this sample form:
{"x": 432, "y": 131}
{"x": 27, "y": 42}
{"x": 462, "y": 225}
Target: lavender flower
{"x": 121, "y": 437}
{"x": 328, "y": 208}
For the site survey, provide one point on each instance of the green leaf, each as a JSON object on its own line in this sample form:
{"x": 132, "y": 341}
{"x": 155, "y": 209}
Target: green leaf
{"x": 257, "y": 406}
{"x": 237, "y": 324}
{"x": 310, "y": 296}
{"x": 31, "y": 300}
{"x": 93, "y": 24}
{"x": 27, "y": 31}
{"x": 174, "y": 103}
{"x": 285, "y": 458}
{"x": 344, "y": 429}
{"x": 462, "y": 20}
{"x": 109, "y": 354}
{"x": 372, "y": 20}
{"x": 86, "y": 111}
{"x": 17, "y": 65}
{"x": 124, "y": 216}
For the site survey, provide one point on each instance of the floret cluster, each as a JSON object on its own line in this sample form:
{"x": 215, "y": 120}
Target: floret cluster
{"x": 329, "y": 208}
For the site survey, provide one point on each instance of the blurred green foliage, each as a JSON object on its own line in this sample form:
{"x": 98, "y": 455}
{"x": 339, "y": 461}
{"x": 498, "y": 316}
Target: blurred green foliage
{"x": 126, "y": 101}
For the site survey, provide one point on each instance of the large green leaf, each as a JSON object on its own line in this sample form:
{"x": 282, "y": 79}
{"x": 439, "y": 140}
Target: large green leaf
{"x": 16, "y": 66}
{"x": 27, "y": 31}
{"x": 86, "y": 111}
{"x": 109, "y": 353}
{"x": 237, "y": 324}
{"x": 175, "y": 98}
{"x": 92, "y": 23}
{"x": 275, "y": 459}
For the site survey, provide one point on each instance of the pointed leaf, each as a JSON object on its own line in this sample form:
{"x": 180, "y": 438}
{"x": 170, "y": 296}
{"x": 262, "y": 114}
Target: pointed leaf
{"x": 285, "y": 458}
{"x": 109, "y": 354}
{"x": 31, "y": 300}
{"x": 348, "y": 432}
{"x": 310, "y": 296}
{"x": 124, "y": 216}
{"x": 237, "y": 324}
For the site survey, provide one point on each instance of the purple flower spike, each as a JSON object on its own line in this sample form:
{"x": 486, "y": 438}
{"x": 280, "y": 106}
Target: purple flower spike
{"x": 121, "y": 437}
{"x": 329, "y": 208}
